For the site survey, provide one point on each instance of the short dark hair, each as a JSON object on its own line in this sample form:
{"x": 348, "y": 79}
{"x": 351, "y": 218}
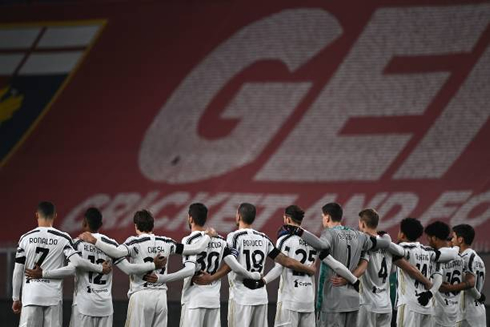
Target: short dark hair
{"x": 466, "y": 232}
{"x": 438, "y": 229}
{"x": 247, "y": 213}
{"x": 295, "y": 213}
{"x": 334, "y": 210}
{"x": 46, "y": 209}
{"x": 412, "y": 228}
{"x": 93, "y": 218}
{"x": 199, "y": 213}
{"x": 144, "y": 220}
{"x": 370, "y": 217}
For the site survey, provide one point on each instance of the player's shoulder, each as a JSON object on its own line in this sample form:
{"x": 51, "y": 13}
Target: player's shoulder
{"x": 427, "y": 248}
{"x": 106, "y": 239}
{"x": 261, "y": 234}
{"x": 285, "y": 240}
{"x": 31, "y": 232}
{"x": 165, "y": 239}
{"x": 60, "y": 234}
{"x": 192, "y": 237}
{"x": 132, "y": 240}
{"x": 234, "y": 236}
{"x": 409, "y": 245}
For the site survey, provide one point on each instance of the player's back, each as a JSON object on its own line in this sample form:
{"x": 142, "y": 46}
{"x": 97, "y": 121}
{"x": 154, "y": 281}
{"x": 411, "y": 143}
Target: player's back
{"x": 251, "y": 249}
{"x": 143, "y": 248}
{"x": 346, "y": 245}
{"x": 422, "y": 258}
{"x": 297, "y": 289}
{"x": 92, "y": 293}
{"x": 375, "y": 282}
{"x": 473, "y": 311}
{"x": 203, "y": 296}
{"x": 446, "y": 307}
{"x": 47, "y": 247}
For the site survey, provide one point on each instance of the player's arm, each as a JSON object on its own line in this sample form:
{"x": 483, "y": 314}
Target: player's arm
{"x": 17, "y": 278}
{"x": 109, "y": 249}
{"x": 60, "y": 273}
{"x": 468, "y": 283}
{"x": 412, "y": 271}
{"x": 274, "y": 273}
{"x": 424, "y": 297}
{"x": 17, "y": 285}
{"x": 140, "y": 268}
{"x": 237, "y": 268}
{"x": 81, "y": 263}
{"x": 293, "y": 263}
{"x": 396, "y": 250}
{"x": 340, "y": 269}
{"x": 353, "y": 277}
{"x": 187, "y": 271}
{"x": 196, "y": 247}
{"x": 204, "y": 278}
{"x": 444, "y": 255}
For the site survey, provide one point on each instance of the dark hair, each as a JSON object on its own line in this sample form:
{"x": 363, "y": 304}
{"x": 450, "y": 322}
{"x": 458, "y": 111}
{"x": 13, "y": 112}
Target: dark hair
{"x": 412, "y": 228}
{"x": 295, "y": 213}
{"x": 144, "y": 220}
{"x": 46, "y": 209}
{"x": 93, "y": 218}
{"x": 199, "y": 213}
{"x": 466, "y": 232}
{"x": 438, "y": 229}
{"x": 247, "y": 213}
{"x": 334, "y": 210}
{"x": 370, "y": 217}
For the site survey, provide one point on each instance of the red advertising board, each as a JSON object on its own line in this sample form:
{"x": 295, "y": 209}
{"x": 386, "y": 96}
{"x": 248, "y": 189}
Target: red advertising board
{"x": 130, "y": 105}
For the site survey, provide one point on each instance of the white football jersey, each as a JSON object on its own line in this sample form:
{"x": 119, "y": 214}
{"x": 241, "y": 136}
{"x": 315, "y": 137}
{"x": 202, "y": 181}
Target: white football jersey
{"x": 375, "y": 282}
{"x": 143, "y": 248}
{"x": 48, "y": 247}
{"x": 422, "y": 257}
{"x": 296, "y": 289}
{"x": 251, "y": 249}
{"x": 203, "y": 296}
{"x": 446, "y": 305}
{"x": 92, "y": 292}
{"x": 472, "y": 311}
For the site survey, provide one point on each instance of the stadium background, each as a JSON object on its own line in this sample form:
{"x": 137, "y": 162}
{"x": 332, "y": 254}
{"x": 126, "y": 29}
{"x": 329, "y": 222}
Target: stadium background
{"x": 157, "y": 104}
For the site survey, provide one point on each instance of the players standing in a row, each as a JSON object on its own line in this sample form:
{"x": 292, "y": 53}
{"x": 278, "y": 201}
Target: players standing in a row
{"x": 201, "y": 303}
{"x": 92, "y": 298}
{"x": 148, "y": 301}
{"x": 375, "y": 302}
{"x": 296, "y": 295}
{"x": 472, "y": 308}
{"x": 340, "y": 305}
{"x": 446, "y": 305}
{"x": 47, "y": 248}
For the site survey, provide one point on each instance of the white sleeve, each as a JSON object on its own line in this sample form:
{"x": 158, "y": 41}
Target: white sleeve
{"x": 79, "y": 262}
{"x": 140, "y": 268}
{"x": 447, "y": 254}
{"x": 473, "y": 292}
{"x": 17, "y": 278}
{"x": 314, "y": 241}
{"x": 185, "y": 272}
{"x": 340, "y": 269}
{"x": 112, "y": 251}
{"x": 396, "y": 250}
{"x": 196, "y": 247}
{"x": 436, "y": 283}
{"x": 237, "y": 268}
{"x": 60, "y": 273}
{"x": 275, "y": 272}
